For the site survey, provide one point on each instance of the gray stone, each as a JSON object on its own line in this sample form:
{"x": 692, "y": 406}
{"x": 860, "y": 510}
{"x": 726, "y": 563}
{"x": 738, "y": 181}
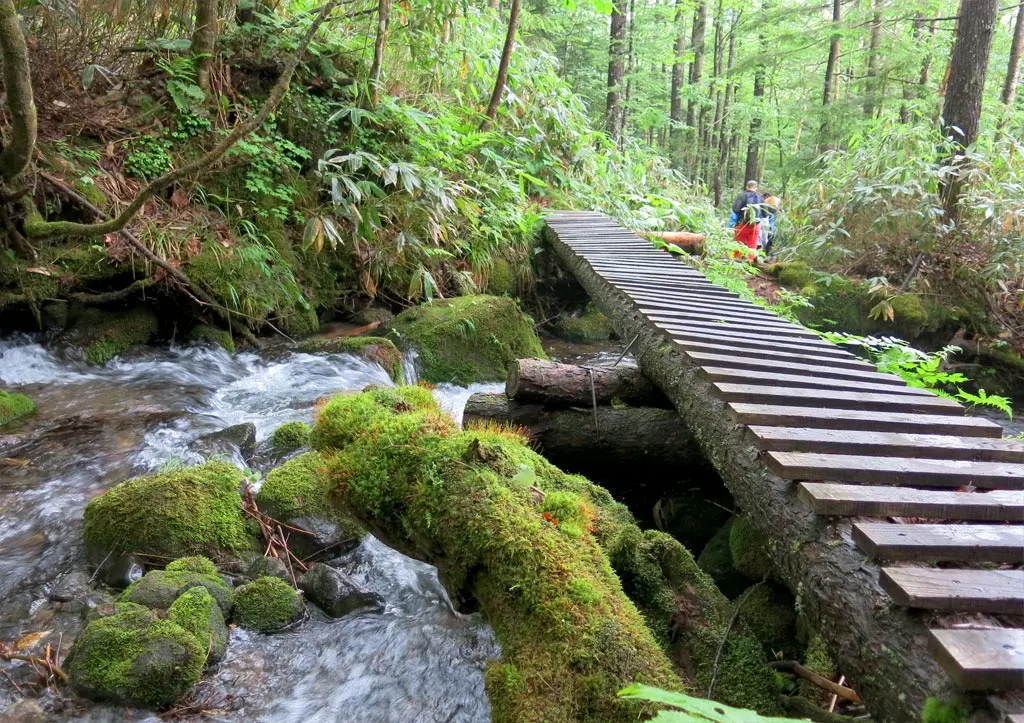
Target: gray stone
{"x": 160, "y": 588}
{"x": 69, "y": 587}
{"x": 268, "y": 567}
{"x": 335, "y": 593}
{"x": 237, "y": 441}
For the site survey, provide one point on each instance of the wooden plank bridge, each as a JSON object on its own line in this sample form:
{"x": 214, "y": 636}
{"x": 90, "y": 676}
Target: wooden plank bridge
{"x": 872, "y": 494}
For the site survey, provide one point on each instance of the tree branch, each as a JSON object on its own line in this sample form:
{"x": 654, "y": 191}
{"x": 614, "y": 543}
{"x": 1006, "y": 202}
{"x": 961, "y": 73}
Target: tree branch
{"x": 18, "y": 84}
{"x": 38, "y": 228}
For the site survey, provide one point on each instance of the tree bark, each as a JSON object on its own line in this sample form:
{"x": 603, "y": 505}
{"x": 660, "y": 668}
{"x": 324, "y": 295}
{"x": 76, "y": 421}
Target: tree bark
{"x": 675, "y": 100}
{"x": 909, "y": 91}
{"x": 1013, "y": 67}
{"x": 204, "y": 40}
{"x": 725, "y": 140}
{"x": 379, "y": 43}
{"x": 616, "y": 67}
{"x": 753, "y": 142}
{"x": 961, "y": 111}
{"x": 880, "y": 652}
{"x": 630, "y": 65}
{"x": 506, "y": 58}
{"x": 578, "y": 438}
{"x": 871, "y": 73}
{"x": 700, "y": 24}
{"x": 831, "y": 69}
{"x": 17, "y": 154}
{"x": 567, "y": 385}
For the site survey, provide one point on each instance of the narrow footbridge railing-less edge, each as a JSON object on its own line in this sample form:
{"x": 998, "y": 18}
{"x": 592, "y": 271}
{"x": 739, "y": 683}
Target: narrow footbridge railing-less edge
{"x": 822, "y": 451}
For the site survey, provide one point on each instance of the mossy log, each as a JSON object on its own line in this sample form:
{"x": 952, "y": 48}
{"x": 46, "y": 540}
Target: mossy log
{"x": 546, "y": 382}
{"x": 879, "y": 648}
{"x": 640, "y": 434}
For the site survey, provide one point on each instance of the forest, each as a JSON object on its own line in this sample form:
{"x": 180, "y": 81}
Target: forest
{"x": 291, "y": 344}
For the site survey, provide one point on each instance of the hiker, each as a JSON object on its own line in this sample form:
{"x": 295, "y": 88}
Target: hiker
{"x": 769, "y": 209}
{"x": 747, "y": 208}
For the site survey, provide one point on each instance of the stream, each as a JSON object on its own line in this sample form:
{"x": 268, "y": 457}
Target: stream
{"x": 418, "y": 661}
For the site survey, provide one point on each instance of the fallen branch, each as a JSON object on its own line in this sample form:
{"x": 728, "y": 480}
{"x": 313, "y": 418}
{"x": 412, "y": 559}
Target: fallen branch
{"x": 113, "y": 295}
{"x": 48, "y": 661}
{"x": 273, "y": 534}
{"x": 791, "y": 666}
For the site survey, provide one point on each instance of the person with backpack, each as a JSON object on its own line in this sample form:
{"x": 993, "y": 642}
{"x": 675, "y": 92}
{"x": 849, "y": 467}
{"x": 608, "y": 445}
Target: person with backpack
{"x": 747, "y": 208}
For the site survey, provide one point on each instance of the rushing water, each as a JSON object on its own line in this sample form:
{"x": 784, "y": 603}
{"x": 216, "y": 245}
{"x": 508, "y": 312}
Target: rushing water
{"x": 418, "y": 661}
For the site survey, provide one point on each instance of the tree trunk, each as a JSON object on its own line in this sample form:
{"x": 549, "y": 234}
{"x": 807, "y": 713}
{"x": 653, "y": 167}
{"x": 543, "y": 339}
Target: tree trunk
{"x": 871, "y": 74}
{"x": 753, "y": 142}
{"x": 1013, "y": 67}
{"x": 204, "y": 40}
{"x": 675, "y": 113}
{"x": 630, "y": 66}
{"x": 831, "y": 69}
{"x": 568, "y": 385}
{"x": 383, "y": 21}
{"x": 909, "y": 92}
{"x": 506, "y": 58}
{"x": 579, "y": 439}
{"x": 21, "y": 141}
{"x": 724, "y": 139}
{"x": 838, "y": 587}
{"x": 961, "y": 111}
{"x": 616, "y": 67}
{"x": 700, "y": 23}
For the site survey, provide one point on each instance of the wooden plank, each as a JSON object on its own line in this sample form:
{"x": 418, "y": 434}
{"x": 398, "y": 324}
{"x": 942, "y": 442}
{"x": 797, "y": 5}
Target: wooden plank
{"x": 656, "y": 290}
{"x": 756, "y": 393}
{"x": 750, "y": 329}
{"x": 774, "y": 355}
{"x": 886, "y": 444}
{"x": 981, "y": 659}
{"x": 806, "y": 381}
{"x": 859, "y": 420}
{"x": 962, "y": 543}
{"x": 673, "y": 302}
{"x": 843, "y": 500}
{"x": 896, "y": 470}
{"x": 745, "y": 340}
{"x": 756, "y": 365}
{"x": 975, "y": 591}
{"x": 774, "y": 326}
{"x": 675, "y": 309}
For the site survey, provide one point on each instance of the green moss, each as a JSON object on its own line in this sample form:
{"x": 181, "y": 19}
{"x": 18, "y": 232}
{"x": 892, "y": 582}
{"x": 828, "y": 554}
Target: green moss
{"x": 716, "y": 560}
{"x": 539, "y": 563}
{"x": 86, "y": 186}
{"x": 467, "y": 339}
{"x": 818, "y": 659}
{"x": 290, "y": 436}
{"x": 299, "y": 321}
{"x": 768, "y": 611}
{"x": 104, "y": 335}
{"x": 14, "y": 407}
{"x": 749, "y": 549}
{"x": 198, "y": 614}
{"x": 591, "y": 325}
{"x": 795, "y": 275}
{"x": 266, "y": 605}
{"x": 158, "y": 589}
{"x": 211, "y": 335}
{"x": 136, "y": 658}
{"x": 192, "y": 511}
{"x": 940, "y": 711}
{"x": 297, "y": 488}
{"x": 201, "y": 565}
{"x": 81, "y": 261}
{"x": 501, "y": 280}
{"x": 372, "y": 348}
{"x": 345, "y": 417}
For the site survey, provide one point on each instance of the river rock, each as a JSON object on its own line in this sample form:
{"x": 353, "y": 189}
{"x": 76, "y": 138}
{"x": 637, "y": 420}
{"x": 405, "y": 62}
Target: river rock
{"x": 134, "y": 657}
{"x": 158, "y": 589}
{"x": 268, "y": 567}
{"x": 337, "y": 594}
{"x": 196, "y": 612}
{"x": 266, "y": 605}
{"x": 70, "y": 586}
{"x": 237, "y": 440}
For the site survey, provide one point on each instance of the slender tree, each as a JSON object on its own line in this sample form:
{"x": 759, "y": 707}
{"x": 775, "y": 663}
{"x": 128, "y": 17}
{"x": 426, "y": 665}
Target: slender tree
{"x": 204, "y": 41}
{"x": 506, "y": 58}
{"x": 1013, "y": 67}
{"x": 383, "y": 21}
{"x": 630, "y": 63}
{"x": 832, "y": 65}
{"x": 700, "y": 23}
{"x": 871, "y": 72}
{"x": 616, "y": 66}
{"x": 678, "y": 72}
{"x": 723, "y": 133}
{"x": 968, "y": 67}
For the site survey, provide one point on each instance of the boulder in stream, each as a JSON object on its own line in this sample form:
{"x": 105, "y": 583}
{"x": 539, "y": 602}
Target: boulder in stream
{"x": 268, "y": 567}
{"x": 336, "y": 593}
{"x": 266, "y": 605}
{"x": 289, "y": 437}
{"x": 102, "y": 335}
{"x": 158, "y": 589}
{"x": 14, "y": 407}
{"x": 237, "y": 440}
{"x": 134, "y": 657}
{"x": 191, "y": 511}
{"x": 467, "y": 339}
{"x": 196, "y": 612}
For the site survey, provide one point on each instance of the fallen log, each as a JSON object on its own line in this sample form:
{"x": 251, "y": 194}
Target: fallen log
{"x": 537, "y": 380}
{"x": 878, "y": 646}
{"x": 679, "y": 238}
{"x": 586, "y": 438}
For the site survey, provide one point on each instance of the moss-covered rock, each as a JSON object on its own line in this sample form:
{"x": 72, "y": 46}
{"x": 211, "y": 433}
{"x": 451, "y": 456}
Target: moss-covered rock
{"x": 134, "y": 657}
{"x": 104, "y": 335}
{"x": 14, "y": 406}
{"x": 768, "y": 610}
{"x": 716, "y": 560}
{"x": 591, "y": 325}
{"x": 212, "y": 336}
{"x": 467, "y": 339}
{"x": 198, "y": 614}
{"x": 202, "y": 565}
{"x": 749, "y": 550}
{"x": 298, "y": 493}
{"x": 290, "y": 437}
{"x": 192, "y": 511}
{"x": 536, "y": 547}
{"x": 158, "y": 589}
{"x": 795, "y": 275}
{"x": 501, "y": 279}
{"x": 372, "y": 348}
{"x": 267, "y": 604}
{"x": 346, "y": 417}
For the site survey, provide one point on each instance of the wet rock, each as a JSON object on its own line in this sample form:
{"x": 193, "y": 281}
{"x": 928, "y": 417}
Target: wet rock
{"x": 198, "y": 613}
{"x": 134, "y": 657}
{"x": 290, "y": 437}
{"x": 268, "y": 567}
{"x": 266, "y": 605}
{"x": 236, "y": 440}
{"x": 122, "y": 570}
{"x": 70, "y": 586}
{"x": 23, "y": 711}
{"x": 337, "y": 594}
{"x": 372, "y": 314}
{"x": 158, "y": 589}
